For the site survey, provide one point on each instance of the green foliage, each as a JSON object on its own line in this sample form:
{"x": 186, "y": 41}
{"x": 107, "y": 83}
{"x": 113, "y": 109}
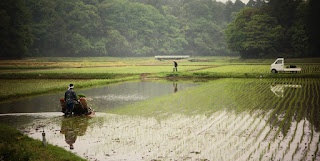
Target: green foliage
{"x": 278, "y": 28}
{"x": 114, "y": 27}
{"x": 81, "y": 95}
{"x": 15, "y": 33}
{"x": 254, "y": 34}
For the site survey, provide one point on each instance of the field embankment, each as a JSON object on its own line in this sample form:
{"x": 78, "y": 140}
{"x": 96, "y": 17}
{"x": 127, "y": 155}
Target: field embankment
{"x": 16, "y": 146}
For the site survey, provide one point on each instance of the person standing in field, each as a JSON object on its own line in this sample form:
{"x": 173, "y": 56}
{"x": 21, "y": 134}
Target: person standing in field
{"x": 175, "y": 66}
{"x": 69, "y": 97}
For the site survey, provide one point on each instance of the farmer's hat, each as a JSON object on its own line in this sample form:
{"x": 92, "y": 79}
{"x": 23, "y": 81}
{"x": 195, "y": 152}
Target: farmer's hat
{"x": 71, "y": 86}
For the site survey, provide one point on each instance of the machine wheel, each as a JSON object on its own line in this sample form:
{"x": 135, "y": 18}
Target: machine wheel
{"x": 274, "y": 71}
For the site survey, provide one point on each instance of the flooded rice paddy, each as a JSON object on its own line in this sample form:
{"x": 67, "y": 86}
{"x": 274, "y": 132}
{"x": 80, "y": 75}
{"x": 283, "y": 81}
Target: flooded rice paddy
{"x": 100, "y": 98}
{"x": 225, "y": 119}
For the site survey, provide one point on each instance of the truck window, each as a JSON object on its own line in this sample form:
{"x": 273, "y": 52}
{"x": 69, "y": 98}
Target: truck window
{"x": 279, "y": 62}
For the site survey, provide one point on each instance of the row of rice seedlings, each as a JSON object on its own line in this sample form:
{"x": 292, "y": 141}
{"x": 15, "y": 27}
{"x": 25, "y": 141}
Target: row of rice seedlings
{"x": 217, "y": 121}
{"x": 259, "y": 96}
{"x": 273, "y": 118}
{"x": 303, "y": 105}
{"x": 288, "y": 113}
{"x": 300, "y": 114}
{"x": 286, "y": 123}
{"x": 253, "y": 106}
{"x": 247, "y": 103}
{"x": 223, "y": 127}
{"x": 296, "y": 102}
{"x": 296, "y": 127}
{"x": 229, "y": 141}
{"x": 241, "y": 125}
{"x": 279, "y": 109}
{"x": 244, "y": 104}
{"x": 317, "y": 150}
{"x": 317, "y": 112}
{"x": 239, "y": 121}
{"x": 273, "y": 123}
{"x": 246, "y": 143}
{"x": 264, "y": 104}
{"x": 310, "y": 69}
{"x": 236, "y": 87}
{"x": 256, "y": 95}
{"x": 311, "y": 119}
{"x": 267, "y": 107}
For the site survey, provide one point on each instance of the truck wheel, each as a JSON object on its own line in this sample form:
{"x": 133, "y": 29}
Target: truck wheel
{"x": 274, "y": 71}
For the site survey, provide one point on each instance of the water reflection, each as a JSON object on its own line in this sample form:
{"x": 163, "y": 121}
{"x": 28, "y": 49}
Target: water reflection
{"x": 175, "y": 87}
{"x": 279, "y": 89}
{"x": 73, "y": 127}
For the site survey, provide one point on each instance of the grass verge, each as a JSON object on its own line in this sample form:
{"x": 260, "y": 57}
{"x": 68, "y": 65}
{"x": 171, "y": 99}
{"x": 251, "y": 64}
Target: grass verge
{"x": 27, "y": 87}
{"x": 16, "y": 146}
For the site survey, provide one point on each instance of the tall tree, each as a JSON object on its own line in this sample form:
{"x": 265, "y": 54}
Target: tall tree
{"x": 254, "y": 34}
{"x": 15, "y": 33}
{"x": 313, "y": 27}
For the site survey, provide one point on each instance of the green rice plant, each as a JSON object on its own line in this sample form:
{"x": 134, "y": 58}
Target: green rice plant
{"x": 273, "y": 119}
{"x": 310, "y": 68}
{"x": 288, "y": 115}
{"x": 316, "y": 151}
{"x": 296, "y": 127}
{"x": 120, "y": 69}
{"x": 301, "y": 111}
{"x": 311, "y": 121}
{"x": 317, "y": 108}
{"x": 295, "y": 151}
{"x": 239, "y": 69}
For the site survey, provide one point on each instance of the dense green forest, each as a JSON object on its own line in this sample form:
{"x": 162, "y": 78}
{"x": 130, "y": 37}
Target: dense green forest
{"x": 279, "y": 28}
{"x": 158, "y": 27}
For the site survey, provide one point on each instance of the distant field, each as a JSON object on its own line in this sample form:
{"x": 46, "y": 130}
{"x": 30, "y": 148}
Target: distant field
{"x": 239, "y": 69}
{"x": 123, "y": 69}
{"x": 35, "y": 71}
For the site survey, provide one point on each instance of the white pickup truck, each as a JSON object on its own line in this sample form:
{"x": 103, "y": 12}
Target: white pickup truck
{"x": 278, "y": 66}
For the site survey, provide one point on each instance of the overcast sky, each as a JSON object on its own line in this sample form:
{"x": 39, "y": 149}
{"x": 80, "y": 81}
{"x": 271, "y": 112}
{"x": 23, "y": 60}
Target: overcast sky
{"x": 244, "y": 1}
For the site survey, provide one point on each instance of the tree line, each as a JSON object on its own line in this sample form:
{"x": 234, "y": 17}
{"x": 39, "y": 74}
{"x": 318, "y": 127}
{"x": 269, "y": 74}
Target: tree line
{"x": 158, "y": 27}
{"x": 278, "y": 28}
{"x": 114, "y": 27}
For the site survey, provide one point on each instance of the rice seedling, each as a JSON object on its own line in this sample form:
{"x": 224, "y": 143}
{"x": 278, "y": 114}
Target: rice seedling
{"x": 286, "y": 105}
{"x": 240, "y": 69}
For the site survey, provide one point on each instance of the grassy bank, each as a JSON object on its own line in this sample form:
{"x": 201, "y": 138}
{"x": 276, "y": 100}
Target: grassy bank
{"x": 16, "y": 146}
{"x": 62, "y": 75}
{"x": 15, "y": 88}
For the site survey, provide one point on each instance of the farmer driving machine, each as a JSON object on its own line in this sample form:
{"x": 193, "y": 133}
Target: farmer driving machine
{"x": 80, "y": 107}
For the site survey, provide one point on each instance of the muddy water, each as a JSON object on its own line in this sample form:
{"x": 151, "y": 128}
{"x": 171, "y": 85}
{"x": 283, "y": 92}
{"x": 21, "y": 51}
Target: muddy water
{"x": 100, "y": 99}
{"x": 193, "y": 127}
